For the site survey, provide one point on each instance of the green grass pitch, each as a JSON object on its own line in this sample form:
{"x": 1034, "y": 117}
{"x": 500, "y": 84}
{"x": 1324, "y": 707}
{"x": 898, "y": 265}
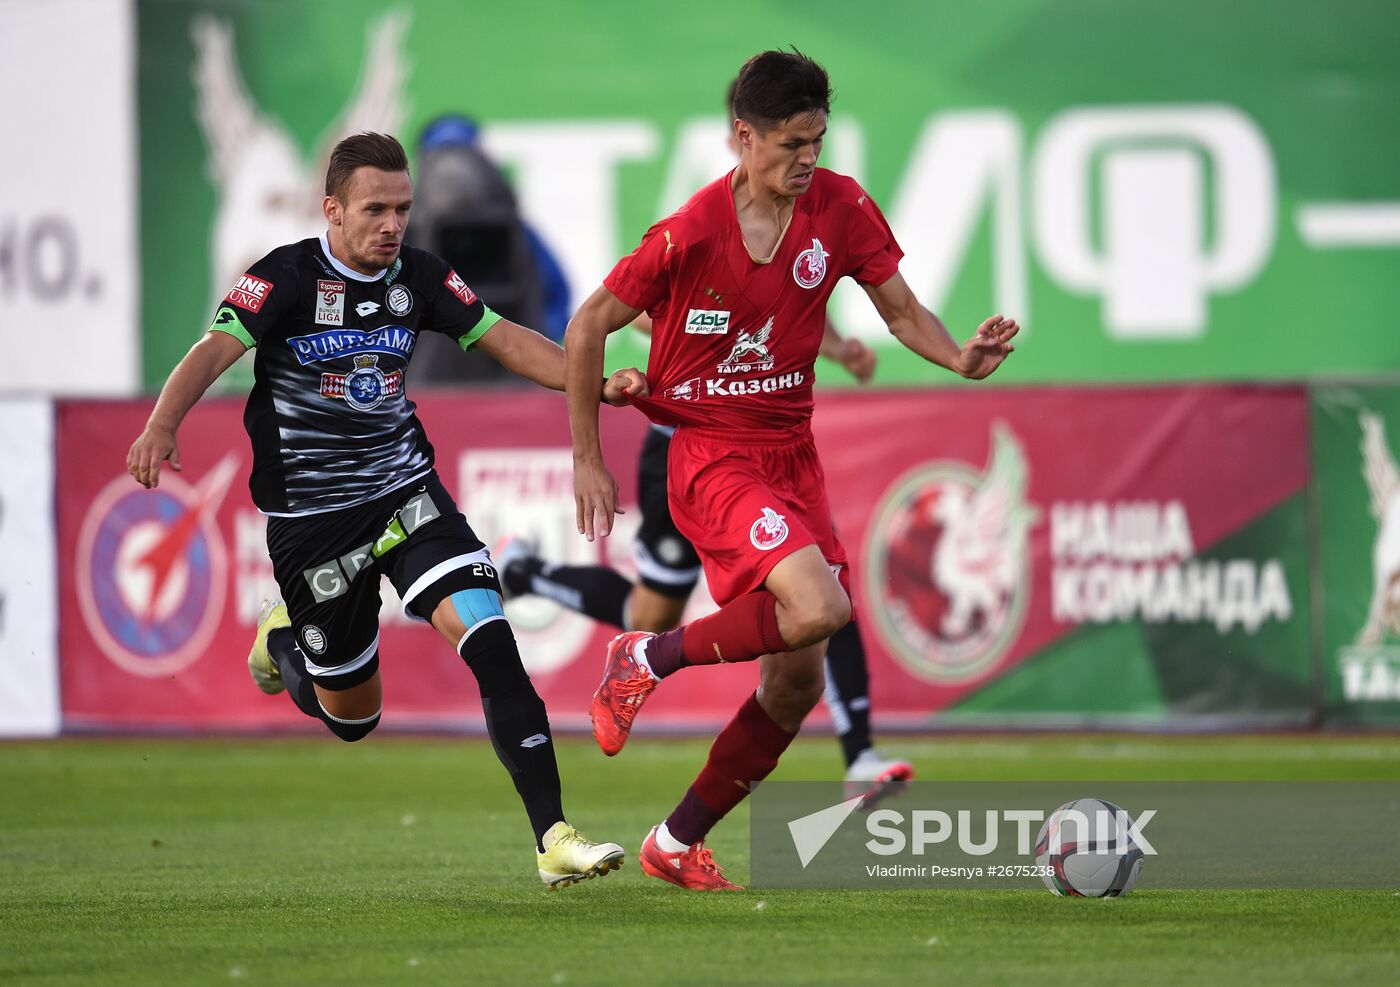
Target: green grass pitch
{"x": 408, "y": 861}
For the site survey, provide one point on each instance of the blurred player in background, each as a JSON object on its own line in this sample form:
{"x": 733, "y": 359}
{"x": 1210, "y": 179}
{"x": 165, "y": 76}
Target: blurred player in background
{"x": 344, "y": 472}
{"x": 668, "y": 570}
{"x": 466, "y": 212}
{"x": 750, "y": 261}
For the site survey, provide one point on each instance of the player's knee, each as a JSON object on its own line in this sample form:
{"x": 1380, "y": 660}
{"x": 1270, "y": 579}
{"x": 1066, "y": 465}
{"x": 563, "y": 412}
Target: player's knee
{"x": 351, "y": 730}
{"x": 836, "y": 614}
{"x": 348, "y": 698}
{"x": 461, "y": 598}
{"x": 816, "y": 619}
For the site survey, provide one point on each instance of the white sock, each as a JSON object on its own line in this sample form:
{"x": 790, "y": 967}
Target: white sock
{"x": 669, "y": 843}
{"x": 639, "y": 655}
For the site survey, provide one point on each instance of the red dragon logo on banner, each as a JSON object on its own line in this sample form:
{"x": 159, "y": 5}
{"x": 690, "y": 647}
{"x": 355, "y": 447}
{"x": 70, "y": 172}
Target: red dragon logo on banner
{"x": 947, "y": 556}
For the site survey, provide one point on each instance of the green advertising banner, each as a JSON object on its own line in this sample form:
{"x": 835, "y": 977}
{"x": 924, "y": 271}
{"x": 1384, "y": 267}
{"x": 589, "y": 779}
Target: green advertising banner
{"x": 1071, "y": 557}
{"x": 1193, "y": 190}
{"x": 1356, "y": 482}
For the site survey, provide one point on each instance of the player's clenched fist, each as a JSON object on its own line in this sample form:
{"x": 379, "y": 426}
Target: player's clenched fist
{"x": 858, "y": 359}
{"x": 624, "y": 385}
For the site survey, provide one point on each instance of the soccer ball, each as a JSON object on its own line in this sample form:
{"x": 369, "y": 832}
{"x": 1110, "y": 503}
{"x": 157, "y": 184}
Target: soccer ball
{"x": 1085, "y": 850}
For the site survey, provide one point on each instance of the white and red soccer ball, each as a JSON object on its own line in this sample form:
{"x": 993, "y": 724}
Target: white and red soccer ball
{"x": 1086, "y": 849}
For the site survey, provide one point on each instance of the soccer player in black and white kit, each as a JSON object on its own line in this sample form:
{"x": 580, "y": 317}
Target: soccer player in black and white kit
{"x": 344, "y": 472}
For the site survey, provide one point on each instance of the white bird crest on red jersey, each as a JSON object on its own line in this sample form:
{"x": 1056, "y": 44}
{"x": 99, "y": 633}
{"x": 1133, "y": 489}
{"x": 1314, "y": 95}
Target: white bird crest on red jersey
{"x": 751, "y": 349}
{"x": 810, "y": 267}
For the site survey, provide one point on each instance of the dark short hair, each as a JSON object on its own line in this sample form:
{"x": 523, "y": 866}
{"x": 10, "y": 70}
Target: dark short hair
{"x": 376, "y": 150}
{"x": 775, "y": 86}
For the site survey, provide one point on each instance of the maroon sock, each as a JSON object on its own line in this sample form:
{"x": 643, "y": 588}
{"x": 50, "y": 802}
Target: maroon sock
{"x": 741, "y": 630}
{"x": 745, "y": 752}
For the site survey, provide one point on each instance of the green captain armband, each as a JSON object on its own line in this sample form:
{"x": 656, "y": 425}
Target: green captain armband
{"x": 488, "y": 319}
{"x": 227, "y": 320}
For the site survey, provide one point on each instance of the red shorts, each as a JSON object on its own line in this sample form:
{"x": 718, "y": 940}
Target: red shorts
{"x": 748, "y": 500}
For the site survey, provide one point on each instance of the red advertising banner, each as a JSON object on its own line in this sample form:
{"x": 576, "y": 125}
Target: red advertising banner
{"x": 984, "y": 527}
{"x": 160, "y": 589}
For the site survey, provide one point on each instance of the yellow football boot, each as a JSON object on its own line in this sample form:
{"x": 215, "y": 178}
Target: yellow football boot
{"x": 570, "y": 857}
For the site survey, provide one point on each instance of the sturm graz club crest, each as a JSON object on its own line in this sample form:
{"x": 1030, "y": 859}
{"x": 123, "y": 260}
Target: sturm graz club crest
{"x": 399, "y": 300}
{"x": 946, "y": 560}
{"x": 314, "y": 638}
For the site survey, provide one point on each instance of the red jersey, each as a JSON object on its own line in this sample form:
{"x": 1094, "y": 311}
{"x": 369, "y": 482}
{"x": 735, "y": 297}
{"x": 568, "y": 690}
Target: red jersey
{"x": 734, "y": 341}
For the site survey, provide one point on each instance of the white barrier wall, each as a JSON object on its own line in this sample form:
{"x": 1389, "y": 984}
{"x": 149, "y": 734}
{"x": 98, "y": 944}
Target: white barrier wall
{"x": 29, "y": 700}
{"x": 69, "y": 252}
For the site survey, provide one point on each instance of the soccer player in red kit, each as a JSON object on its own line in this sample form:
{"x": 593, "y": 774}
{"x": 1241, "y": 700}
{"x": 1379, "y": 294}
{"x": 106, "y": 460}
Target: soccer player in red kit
{"x": 736, "y": 283}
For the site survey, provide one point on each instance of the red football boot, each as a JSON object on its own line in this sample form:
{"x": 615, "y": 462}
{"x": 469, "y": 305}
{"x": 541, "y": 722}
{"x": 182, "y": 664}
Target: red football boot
{"x": 693, "y": 868}
{"x": 625, "y": 686}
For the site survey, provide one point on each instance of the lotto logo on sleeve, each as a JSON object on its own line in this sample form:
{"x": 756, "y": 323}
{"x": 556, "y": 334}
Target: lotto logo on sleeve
{"x": 458, "y": 287}
{"x": 249, "y": 293}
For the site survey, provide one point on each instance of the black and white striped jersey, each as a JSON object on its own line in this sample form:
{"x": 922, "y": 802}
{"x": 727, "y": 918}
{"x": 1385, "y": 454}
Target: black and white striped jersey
{"x": 330, "y": 423}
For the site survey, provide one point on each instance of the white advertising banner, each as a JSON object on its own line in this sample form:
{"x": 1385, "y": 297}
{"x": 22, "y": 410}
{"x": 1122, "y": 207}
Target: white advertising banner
{"x": 68, "y": 236}
{"x": 29, "y": 700}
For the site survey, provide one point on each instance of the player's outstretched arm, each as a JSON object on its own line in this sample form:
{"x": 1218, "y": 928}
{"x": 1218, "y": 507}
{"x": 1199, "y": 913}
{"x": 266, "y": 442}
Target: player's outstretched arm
{"x": 595, "y": 491}
{"x": 201, "y": 366}
{"x": 528, "y": 354}
{"x": 525, "y": 353}
{"x": 851, "y": 353}
{"x": 922, "y": 331}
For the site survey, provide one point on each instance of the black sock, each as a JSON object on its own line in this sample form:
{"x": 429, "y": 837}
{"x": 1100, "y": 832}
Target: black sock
{"x": 517, "y": 722}
{"x": 595, "y": 591}
{"x": 847, "y": 691}
{"x": 516, "y": 576}
{"x": 282, "y": 645}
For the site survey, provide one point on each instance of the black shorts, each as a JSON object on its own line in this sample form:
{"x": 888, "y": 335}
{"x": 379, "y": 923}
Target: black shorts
{"x": 666, "y": 561}
{"x": 328, "y": 567}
